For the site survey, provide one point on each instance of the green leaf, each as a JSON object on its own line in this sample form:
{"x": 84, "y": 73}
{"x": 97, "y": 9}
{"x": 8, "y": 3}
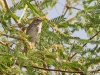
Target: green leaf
{"x": 22, "y": 56}
{"x": 33, "y": 8}
{"x": 58, "y": 19}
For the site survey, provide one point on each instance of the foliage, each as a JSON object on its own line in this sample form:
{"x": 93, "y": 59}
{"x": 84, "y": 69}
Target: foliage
{"x": 57, "y": 50}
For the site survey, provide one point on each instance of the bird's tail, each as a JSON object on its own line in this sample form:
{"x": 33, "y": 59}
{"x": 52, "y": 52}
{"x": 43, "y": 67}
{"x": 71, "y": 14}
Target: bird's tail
{"x": 31, "y": 45}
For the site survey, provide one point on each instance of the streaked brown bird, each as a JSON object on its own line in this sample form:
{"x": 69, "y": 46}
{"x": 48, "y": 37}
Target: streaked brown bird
{"x": 33, "y": 31}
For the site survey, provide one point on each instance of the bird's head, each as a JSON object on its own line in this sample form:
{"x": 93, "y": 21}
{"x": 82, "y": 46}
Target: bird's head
{"x": 38, "y": 20}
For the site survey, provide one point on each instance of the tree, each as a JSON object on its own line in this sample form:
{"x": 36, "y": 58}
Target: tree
{"x": 57, "y": 52}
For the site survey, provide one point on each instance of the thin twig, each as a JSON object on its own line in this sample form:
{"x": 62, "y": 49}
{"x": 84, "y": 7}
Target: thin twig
{"x": 68, "y": 7}
{"x": 73, "y": 7}
{"x": 84, "y": 44}
{"x": 38, "y": 5}
{"x": 60, "y": 3}
{"x": 5, "y": 45}
{"x": 57, "y": 70}
{"x": 57, "y": 11}
{"x": 65, "y": 11}
{"x": 18, "y": 38}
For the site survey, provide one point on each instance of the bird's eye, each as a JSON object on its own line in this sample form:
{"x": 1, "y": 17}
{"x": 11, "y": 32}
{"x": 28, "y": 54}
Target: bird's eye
{"x": 37, "y": 19}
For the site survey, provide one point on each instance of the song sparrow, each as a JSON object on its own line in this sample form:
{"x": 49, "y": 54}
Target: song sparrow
{"x": 34, "y": 29}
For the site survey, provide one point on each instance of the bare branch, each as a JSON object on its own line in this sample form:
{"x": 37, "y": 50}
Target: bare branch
{"x": 73, "y": 7}
{"x": 65, "y": 12}
{"x": 80, "y": 72}
{"x": 84, "y": 45}
{"x": 68, "y": 7}
{"x": 57, "y": 70}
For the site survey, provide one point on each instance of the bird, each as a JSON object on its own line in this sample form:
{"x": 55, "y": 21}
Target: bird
{"x": 33, "y": 30}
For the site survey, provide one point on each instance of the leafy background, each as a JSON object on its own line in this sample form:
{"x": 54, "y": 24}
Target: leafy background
{"x": 57, "y": 52}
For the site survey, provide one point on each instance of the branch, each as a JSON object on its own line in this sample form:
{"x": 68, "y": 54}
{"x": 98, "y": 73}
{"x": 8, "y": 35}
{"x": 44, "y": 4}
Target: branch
{"x": 7, "y": 7}
{"x": 19, "y": 38}
{"x": 68, "y": 7}
{"x": 6, "y": 4}
{"x": 65, "y": 9}
{"x": 6, "y": 45}
{"x": 92, "y": 37}
{"x": 65, "y": 12}
{"x": 73, "y": 7}
{"x": 84, "y": 45}
{"x": 57, "y": 70}
{"x": 95, "y": 71}
{"x": 81, "y": 72}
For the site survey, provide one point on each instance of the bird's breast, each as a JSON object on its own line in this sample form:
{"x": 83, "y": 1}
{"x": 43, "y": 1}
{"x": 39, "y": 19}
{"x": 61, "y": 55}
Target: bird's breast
{"x": 35, "y": 30}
